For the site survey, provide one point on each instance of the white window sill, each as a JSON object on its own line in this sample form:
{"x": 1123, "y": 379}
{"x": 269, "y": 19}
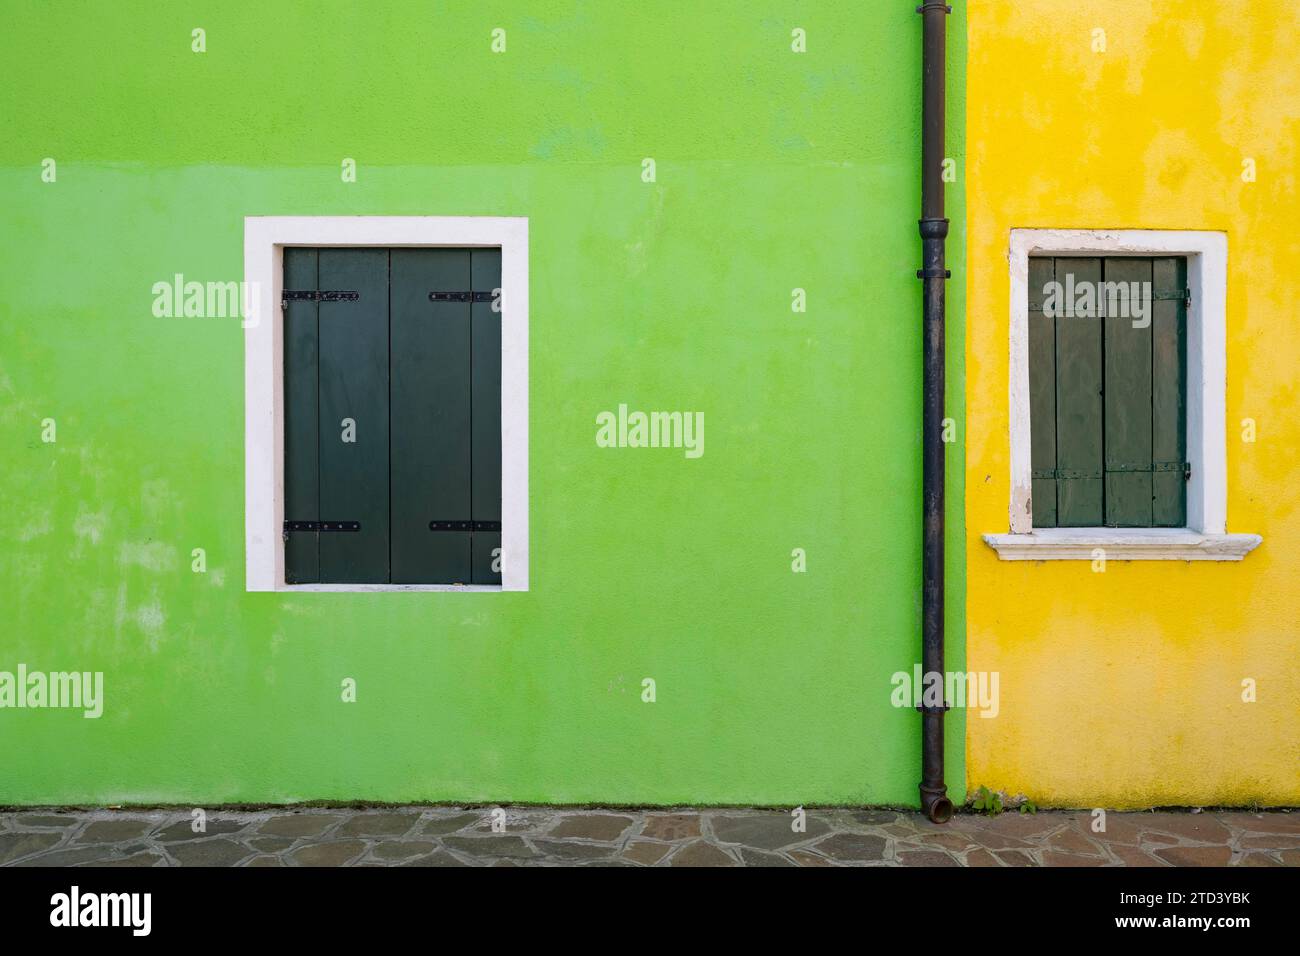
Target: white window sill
{"x": 1122, "y": 544}
{"x": 467, "y": 588}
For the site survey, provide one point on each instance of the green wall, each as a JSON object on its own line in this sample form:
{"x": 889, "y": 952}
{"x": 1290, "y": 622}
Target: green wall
{"x": 775, "y": 170}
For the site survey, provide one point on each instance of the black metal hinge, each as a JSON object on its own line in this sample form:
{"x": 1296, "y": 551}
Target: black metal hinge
{"x": 464, "y": 525}
{"x": 461, "y": 296}
{"x": 1178, "y": 295}
{"x": 296, "y": 296}
{"x": 1115, "y": 468}
{"x": 321, "y": 526}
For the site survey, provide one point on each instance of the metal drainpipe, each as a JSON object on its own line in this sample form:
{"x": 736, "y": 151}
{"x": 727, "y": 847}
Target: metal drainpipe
{"x": 934, "y": 229}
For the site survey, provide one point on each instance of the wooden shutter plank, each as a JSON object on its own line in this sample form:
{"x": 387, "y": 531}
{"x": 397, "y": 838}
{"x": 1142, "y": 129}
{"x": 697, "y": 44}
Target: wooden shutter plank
{"x": 301, "y": 474}
{"x": 431, "y": 410}
{"x": 1168, "y": 392}
{"x": 1042, "y": 393}
{"x": 486, "y": 419}
{"x": 1079, "y": 409}
{"x": 1128, "y": 407}
{"x": 354, "y": 384}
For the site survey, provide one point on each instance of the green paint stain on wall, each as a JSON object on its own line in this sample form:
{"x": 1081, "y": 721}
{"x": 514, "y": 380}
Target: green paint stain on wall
{"x": 775, "y": 171}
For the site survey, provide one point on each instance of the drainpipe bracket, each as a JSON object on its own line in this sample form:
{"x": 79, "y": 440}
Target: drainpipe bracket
{"x": 934, "y": 6}
{"x": 924, "y": 709}
{"x": 934, "y": 227}
{"x": 927, "y": 274}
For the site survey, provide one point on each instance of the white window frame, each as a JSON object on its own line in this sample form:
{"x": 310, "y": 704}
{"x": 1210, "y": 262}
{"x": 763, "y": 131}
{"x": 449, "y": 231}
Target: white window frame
{"x": 1205, "y": 537}
{"x": 265, "y": 238}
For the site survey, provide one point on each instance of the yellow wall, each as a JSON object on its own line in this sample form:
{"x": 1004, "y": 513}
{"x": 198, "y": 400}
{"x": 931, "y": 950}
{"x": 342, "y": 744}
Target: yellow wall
{"x": 1124, "y": 688}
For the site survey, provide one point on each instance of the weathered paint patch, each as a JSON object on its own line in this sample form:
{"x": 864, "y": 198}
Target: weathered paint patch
{"x": 156, "y": 556}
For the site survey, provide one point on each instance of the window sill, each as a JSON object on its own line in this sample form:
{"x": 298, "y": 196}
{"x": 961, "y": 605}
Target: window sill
{"x": 468, "y": 588}
{"x": 1122, "y": 544}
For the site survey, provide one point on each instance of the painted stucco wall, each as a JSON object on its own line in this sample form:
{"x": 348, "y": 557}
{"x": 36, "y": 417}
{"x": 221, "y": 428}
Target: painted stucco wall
{"x": 776, "y": 170}
{"x": 1124, "y": 688}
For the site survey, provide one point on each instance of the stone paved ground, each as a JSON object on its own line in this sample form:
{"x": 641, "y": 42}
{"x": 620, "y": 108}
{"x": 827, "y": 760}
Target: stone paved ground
{"x": 450, "y": 836}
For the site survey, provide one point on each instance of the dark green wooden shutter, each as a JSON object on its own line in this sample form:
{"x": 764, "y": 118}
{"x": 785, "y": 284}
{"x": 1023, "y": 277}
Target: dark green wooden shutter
{"x": 1042, "y": 395}
{"x": 1108, "y": 398}
{"x": 1128, "y": 408}
{"x": 1079, "y": 432}
{"x": 1169, "y": 394}
{"x": 431, "y": 417}
{"x": 412, "y": 355}
{"x": 354, "y": 385}
{"x": 486, "y": 416}
{"x": 301, "y": 427}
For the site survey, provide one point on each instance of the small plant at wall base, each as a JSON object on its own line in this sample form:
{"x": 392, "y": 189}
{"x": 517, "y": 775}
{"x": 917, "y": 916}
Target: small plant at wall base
{"x": 987, "y": 802}
{"x": 990, "y": 803}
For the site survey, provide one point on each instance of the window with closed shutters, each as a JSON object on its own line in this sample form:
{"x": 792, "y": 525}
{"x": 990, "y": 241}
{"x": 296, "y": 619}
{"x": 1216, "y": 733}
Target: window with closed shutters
{"x": 392, "y": 426}
{"x": 1108, "y": 391}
